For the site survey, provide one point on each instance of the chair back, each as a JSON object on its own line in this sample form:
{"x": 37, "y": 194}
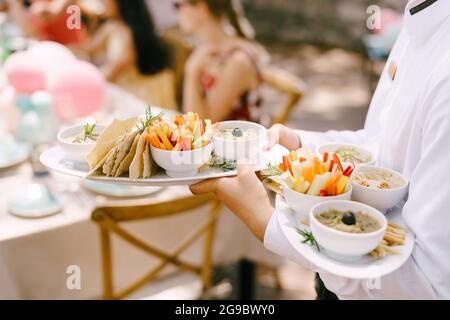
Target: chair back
{"x": 288, "y": 84}
{"x": 109, "y": 218}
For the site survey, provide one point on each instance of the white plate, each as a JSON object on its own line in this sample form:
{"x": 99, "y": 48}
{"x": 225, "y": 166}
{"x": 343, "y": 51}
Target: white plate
{"x": 117, "y": 190}
{"x": 53, "y": 159}
{"x": 33, "y": 205}
{"x": 366, "y": 268}
{"x": 12, "y": 152}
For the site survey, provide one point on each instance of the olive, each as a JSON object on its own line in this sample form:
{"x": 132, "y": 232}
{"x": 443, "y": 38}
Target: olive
{"x": 237, "y": 132}
{"x": 349, "y": 218}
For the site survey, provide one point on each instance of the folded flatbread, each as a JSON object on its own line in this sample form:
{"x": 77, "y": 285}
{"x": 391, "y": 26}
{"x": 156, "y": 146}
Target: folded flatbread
{"x": 149, "y": 167}
{"x": 111, "y": 159}
{"x": 137, "y": 165}
{"x": 123, "y": 151}
{"x": 124, "y": 166}
{"x": 107, "y": 140}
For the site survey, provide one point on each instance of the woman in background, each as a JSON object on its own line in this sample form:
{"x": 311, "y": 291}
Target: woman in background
{"x": 130, "y": 54}
{"x": 222, "y": 75}
{"x": 46, "y": 20}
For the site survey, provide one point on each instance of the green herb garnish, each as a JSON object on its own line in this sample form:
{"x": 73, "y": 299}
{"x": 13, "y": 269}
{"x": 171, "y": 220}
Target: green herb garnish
{"x": 147, "y": 121}
{"x": 222, "y": 164}
{"x": 89, "y": 130}
{"x": 272, "y": 170}
{"x": 88, "y": 133}
{"x": 308, "y": 238}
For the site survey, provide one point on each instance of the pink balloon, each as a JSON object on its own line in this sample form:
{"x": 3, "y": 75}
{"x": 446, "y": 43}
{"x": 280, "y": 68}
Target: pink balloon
{"x": 49, "y": 51}
{"x": 24, "y": 74}
{"x": 80, "y": 86}
{"x": 389, "y": 18}
{"x": 52, "y": 57}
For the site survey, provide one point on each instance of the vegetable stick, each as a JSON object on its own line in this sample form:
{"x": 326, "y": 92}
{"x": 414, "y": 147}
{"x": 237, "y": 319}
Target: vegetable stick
{"x": 336, "y": 159}
{"x": 163, "y": 137}
{"x": 153, "y": 139}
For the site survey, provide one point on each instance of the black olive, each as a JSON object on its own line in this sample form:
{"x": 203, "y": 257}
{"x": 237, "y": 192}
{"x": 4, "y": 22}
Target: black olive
{"x": 349, "y": 218}
{"x": 237, "y": 132}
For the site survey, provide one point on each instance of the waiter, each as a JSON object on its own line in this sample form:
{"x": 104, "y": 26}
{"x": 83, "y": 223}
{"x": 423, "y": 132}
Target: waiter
{"x": 408, "y": 128}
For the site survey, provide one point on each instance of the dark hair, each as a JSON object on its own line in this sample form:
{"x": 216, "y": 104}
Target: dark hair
{"x": 151, "y": 52}
{"x": 233, "y": 12}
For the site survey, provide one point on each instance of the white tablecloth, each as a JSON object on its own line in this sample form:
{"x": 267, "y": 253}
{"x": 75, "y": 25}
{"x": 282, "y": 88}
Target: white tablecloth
{"x": 35, "y": 254}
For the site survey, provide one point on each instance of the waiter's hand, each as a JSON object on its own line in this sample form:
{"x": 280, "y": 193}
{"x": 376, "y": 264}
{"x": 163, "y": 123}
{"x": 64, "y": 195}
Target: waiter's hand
{"x": 279, "y": 134}
{"x": 244, "y": 195}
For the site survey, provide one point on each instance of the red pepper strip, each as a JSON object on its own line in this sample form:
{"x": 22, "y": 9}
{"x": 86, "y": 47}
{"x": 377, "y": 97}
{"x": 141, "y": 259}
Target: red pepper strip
{"x": 323, "y": 193}
{"x": 350, "y": 172}
{"x": 332, "y": 162}
{"x": 325, "y": 157}
{"x": 336, "y": 158}
{"x": 347, "y": 171}
{"x": 287, "y": 163}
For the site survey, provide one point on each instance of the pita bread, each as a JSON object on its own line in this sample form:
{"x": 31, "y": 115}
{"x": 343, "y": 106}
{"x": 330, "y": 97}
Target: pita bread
{"x": 137, "y": 165}
{"x": 123, "y": 150}
{"x": 110, "y": 160}
{"x": 125, "y": 164}
{"x": 148, "y": 162}
{"x": 102, "y": 162}
{"x": 108, "y": 139}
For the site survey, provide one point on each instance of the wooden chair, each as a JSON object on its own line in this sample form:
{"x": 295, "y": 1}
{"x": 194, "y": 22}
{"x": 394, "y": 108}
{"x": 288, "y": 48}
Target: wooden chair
{"x": 108, "y": 219}
{"x": 287, "y": 83}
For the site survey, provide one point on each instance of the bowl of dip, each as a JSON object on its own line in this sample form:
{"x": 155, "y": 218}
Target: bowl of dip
{"x": 75, "y": 144}
{"x": 379, "y": 187}
{"x": 347, "y": 230}
{"x": 237, "y": 140}
{"x": 348, "y": 153}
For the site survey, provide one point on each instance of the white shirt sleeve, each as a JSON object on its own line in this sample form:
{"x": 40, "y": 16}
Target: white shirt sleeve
{"x": 426, "y": 274}
{"x": 310, "y": 139}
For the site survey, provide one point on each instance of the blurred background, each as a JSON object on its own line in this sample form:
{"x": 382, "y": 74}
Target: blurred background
{"x": 64, "y": 61}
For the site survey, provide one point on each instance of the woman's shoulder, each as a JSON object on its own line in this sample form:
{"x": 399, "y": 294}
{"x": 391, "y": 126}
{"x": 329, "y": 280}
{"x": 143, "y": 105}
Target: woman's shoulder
{"x": 249, "y": 51}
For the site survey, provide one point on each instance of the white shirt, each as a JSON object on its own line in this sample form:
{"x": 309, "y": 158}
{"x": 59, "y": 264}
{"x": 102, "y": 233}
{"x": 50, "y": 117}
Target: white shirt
{"x": 407, "y": 126}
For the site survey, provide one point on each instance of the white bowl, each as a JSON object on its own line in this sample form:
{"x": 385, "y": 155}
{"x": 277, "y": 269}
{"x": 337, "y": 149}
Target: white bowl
{"x": 333, "y": 147}
{"x": 302, "y": 203}
{"x": 382, "y": 199}
{"x": 76, "y": 152}
{"x": 238, "y": 149}
{"x": 345, "y": 246}
{"x": 181, "y": 163}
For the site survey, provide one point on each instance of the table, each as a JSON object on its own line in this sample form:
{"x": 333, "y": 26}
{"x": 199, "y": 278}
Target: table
{"x": 35, "y": 254}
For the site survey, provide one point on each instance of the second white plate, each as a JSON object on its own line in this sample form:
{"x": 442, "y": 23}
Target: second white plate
{"x": 366, "y": 268}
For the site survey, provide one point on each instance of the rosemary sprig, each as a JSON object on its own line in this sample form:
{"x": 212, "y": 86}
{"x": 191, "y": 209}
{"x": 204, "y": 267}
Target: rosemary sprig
{"x": 222, "y": 164}
{"x": 149, "y": 118}
{"x": 308, "y": 238}
{"x": 88, "y": 130}
{"x": 272, "y": 170}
